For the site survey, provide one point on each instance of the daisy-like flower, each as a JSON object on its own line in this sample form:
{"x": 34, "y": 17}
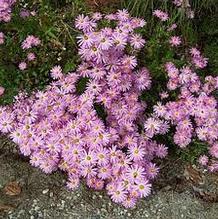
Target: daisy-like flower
{"x": 203, "y": 160}
{"x": 85, "y": 40}
{"x": 30, "y": 42}
{"x": 102, "y": 156}
{"x": 163, "y": 16}
{"x": 88, "y": 158}
{"x": 97, "y": 16}
{"x": 202, "y": 133}
{"x": 143, "y": 79}
{"x": 119, "y": 194}
{"x": 119, "y": 40}
{"x": 94, "y": 87}
{"x": 136, "y": 153}
{"x": 31, "y": 56}
{"x": 82, "y": 22}
{"x": 122, "y": 15}
{"x": 135, "y": 173}
{"x": 129, "y": 202}
{"x": 73, "y": 183}
{"x": 88, "y": 171}
{"x": 104, "y": 42}
{"x": 6, "y": 123}
{"x": 159, "y": 109}
{"x": 144, "y": 188}
{"x": 138, "y": 22}
{"x": 175, "y": 41}
{"x": 16, "y": 136}
{"x": 195, "y": 52}
{"x": 56, "y": 72}
{"x": 136, "y": 41}
{"x": 161, "y": 151}
{"x": 22, "y": 66}
{"x": 104, "y": 172}
{"x": 129, "y": 62}
{"x": 151, "y": 170}
{"x": 152, "y": 126}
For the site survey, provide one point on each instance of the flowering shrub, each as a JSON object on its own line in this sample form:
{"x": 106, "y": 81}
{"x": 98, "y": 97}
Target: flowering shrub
{"x": 58, "y": 128}
{"x": 61, "y": 127}
{"x": 194, "y": 113}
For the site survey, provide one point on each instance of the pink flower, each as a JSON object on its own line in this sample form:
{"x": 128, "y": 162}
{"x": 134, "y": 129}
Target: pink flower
{"x": 152, "y": 126}
{"x": 56, "y": 72}
{"x": 2, "y": 37}
{"x": 214, "y": 150}
{"x": 172, "y": 27}
{"x": 175, "y": 41}
{"x": 30, "y": 41}
{"x": 73, "y": 183}
{"x": 119, "y": 194}
{"x": 203, "y": 160}
{"x": 129, "y": 202}
{"x": 135, "y": 174}
{"x": 136, "y": 41}
{"x": 136, "y": 153}
{"x": 163, "y": 16}
{"x": 97, "y": 16}
{"x": 161, "y": 151}
{"x": 31, "y": 56}
{"x": 6, "y": 122}
{"x": 2, "y": 90}
{"x": 144, "y": 188}
{"x": 151, "y": 170}
{"x": 22, "y": 66}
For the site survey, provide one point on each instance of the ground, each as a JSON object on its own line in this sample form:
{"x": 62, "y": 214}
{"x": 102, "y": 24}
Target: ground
{"x": 178, "y": 193}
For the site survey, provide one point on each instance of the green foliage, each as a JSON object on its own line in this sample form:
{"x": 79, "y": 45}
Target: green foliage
{"x": 54, "y": 26}
{"x": 192, "y": 152}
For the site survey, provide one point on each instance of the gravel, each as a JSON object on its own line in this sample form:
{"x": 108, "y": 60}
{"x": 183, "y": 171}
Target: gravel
{"x": 45, "y": 196}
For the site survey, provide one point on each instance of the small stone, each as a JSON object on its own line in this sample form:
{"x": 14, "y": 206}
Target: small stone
{"x": 51, "y": 194}
{"x": 45, "y": 191}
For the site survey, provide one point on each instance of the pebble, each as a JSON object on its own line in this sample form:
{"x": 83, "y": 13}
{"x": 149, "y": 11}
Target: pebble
{"x": 45, "y": 191}
{"x": 51, "y": 194}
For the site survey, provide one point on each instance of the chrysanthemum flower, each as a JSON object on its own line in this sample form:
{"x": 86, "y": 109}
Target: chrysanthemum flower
{"x": 22, "y": 66}
{"x": 175, "y": 41}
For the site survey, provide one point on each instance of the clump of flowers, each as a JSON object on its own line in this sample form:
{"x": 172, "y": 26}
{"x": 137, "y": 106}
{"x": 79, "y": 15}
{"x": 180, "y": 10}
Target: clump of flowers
{"x": 60, "y": 128}
{"x": 24, "y": 13}
{"x": 197, "y": 59}
{"x": 185, "y": 6}
{"x": 5, "y": 10}
{"x": 194, "y": 113}
{"x": 163, "y": 16}
{"x": 30, "y": 42}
